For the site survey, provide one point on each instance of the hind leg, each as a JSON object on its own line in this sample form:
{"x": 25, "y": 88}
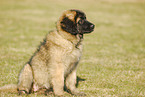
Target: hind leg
{"x": 25, "y": 80}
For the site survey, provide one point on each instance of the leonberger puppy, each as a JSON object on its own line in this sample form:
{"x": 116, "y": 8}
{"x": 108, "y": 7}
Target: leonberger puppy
{"x": 54, "y": 64}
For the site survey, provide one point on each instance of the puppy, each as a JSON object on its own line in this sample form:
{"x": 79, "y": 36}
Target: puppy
{"x": 55, "y": 62}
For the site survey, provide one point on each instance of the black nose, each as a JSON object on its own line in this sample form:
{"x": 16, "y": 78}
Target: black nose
{"x": 92, "y": 26}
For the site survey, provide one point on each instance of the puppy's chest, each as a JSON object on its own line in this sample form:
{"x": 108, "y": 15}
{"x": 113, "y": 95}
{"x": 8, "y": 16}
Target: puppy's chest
{"x": 73, "y": 56}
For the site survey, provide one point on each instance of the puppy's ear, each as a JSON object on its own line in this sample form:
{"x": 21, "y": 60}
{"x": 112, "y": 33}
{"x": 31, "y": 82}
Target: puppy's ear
{"x": 69, "y": 26}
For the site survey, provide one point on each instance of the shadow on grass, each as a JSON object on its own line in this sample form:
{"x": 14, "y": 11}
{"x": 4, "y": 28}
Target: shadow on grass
{"x": 79, "y": 80}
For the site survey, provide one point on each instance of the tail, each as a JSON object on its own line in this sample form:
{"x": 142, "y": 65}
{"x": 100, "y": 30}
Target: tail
{"x": 12, "y": 88}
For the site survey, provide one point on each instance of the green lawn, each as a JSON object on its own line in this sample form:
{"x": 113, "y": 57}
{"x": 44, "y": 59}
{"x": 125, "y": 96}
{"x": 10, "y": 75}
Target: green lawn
{"x": 113, "y": 62}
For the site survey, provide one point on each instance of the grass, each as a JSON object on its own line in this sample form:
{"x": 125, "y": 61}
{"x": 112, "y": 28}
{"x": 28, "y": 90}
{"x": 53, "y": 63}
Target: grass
{"x": 113, "y": 61}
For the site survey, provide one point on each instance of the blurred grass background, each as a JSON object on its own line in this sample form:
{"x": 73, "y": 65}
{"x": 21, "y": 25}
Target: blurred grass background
{"x": 113, "y": 61}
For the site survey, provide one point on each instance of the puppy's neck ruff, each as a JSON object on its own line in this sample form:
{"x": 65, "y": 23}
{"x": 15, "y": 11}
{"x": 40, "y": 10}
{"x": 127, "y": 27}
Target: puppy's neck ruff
{"x": 74, "y": 39}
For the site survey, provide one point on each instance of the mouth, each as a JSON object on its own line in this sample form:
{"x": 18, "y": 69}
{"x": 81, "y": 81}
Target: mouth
{"x": 88, "y": 31}
{"x": 85, "y": 32}
{"x": 91, "y": 30}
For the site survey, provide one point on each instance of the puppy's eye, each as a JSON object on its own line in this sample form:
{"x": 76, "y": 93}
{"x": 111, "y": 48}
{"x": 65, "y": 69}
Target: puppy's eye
{"x": 81, "y": 22}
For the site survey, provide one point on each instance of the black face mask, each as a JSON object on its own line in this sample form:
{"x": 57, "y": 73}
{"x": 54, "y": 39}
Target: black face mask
{"x": 85, "y": 26}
